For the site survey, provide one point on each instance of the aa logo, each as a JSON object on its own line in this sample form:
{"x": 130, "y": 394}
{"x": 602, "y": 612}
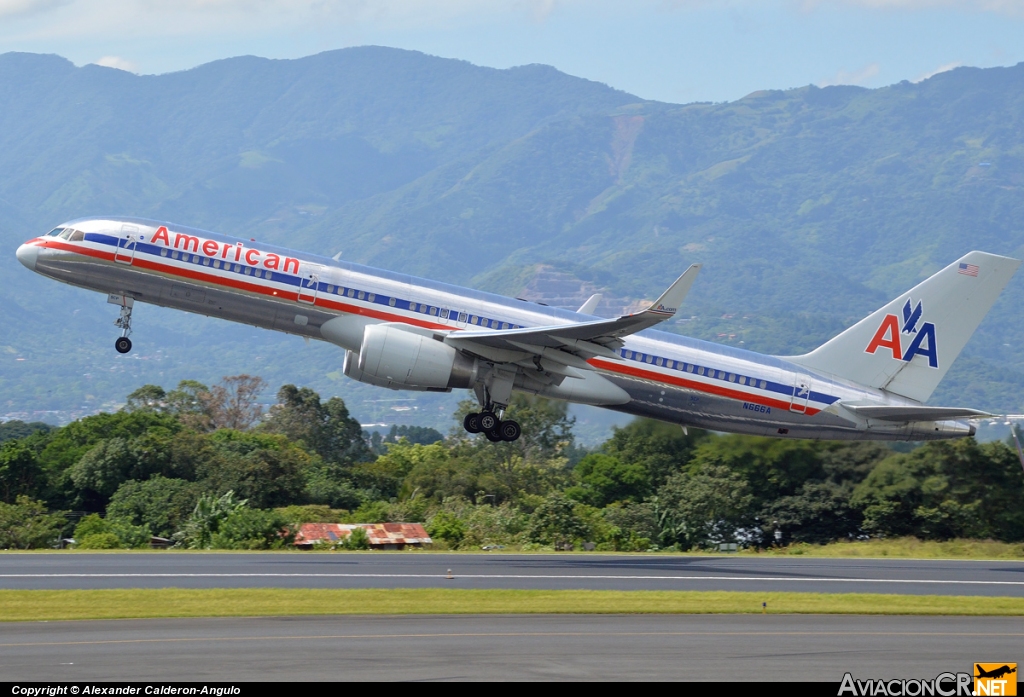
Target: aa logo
{"x": 995, "y": 679}
{"x": 920, "y": 339}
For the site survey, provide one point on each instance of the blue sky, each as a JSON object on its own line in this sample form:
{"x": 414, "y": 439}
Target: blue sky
{"x": 670, "y": 50}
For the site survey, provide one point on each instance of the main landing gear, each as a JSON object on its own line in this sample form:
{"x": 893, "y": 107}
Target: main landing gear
{"x": 124, "y": 323}
{"x": 492, "y": 426}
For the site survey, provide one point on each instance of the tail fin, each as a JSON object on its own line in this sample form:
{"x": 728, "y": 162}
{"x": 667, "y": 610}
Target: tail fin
{"x": 907, "y": 346}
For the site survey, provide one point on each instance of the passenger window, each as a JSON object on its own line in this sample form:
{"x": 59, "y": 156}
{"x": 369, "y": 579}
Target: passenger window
{"x": 462, "y": 316}
{"x": 391, "y": 302}
{"x": 371, "y": 297}
{"x": 245, "y": 270}
{"x": 743, "y": 380}
{"x": 659, "y": 362}
{"x": 330, "y": 289}
{"x": 764, "y": 385}
{"x": 351, "y": 292}
{"x": 163, "y": 252}
{"x": 433, "y": 311}
{"x": 216, "y": 264}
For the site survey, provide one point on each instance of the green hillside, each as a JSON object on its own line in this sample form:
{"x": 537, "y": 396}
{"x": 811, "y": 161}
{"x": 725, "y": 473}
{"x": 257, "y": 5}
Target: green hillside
{"x": 808, "y": 207}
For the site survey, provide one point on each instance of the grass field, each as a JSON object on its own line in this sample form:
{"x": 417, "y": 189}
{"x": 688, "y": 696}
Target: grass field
{"x": 38, "y": 605}
{"x": 909, "y": 548}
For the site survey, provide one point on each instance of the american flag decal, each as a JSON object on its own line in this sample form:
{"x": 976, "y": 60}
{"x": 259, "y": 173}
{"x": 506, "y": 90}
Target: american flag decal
{"x": 968, "y": 270}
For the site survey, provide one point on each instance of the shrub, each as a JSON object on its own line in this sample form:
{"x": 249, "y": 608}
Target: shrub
{"x": 26, "y": 524}
{"x": 94, "y": 532}
{"x": 447, "y": 526}
{"x": 357, "y": 539}
{"x": 99, "y": 540}
{"x": 252, "y": 528}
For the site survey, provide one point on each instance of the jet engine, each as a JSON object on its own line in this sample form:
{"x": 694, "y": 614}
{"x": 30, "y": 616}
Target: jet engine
{"x": 393, "y": 357}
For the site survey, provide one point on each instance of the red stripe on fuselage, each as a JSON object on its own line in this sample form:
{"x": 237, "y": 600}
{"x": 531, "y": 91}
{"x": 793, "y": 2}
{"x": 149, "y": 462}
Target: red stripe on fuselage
{"x": 625, "y": 369}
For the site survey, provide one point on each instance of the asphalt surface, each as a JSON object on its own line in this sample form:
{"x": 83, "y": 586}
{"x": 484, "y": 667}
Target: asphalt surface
{"x": 509, "y": 647}
{"x": 568, "y": 571}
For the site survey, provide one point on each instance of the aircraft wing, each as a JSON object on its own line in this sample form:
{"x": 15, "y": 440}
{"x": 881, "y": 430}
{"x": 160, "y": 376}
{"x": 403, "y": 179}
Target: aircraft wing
{"x": 908, "y": 414}
{"x": 580, "y": 340}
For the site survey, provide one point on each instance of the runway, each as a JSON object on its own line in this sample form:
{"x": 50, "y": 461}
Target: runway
{"x": 484, "y": 570}
{"x": 509, "y": 647}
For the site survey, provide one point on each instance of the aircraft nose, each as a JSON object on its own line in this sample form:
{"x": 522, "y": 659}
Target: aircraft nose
{"x": 27, "y": 254}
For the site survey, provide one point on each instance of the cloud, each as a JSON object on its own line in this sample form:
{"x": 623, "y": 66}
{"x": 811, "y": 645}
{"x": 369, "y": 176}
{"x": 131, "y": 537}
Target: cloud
{"x": 24, "y": 8}
{"x": 857, "y": 77}
{"x": 117, "y": 63}
{"x": 941, "y": 69}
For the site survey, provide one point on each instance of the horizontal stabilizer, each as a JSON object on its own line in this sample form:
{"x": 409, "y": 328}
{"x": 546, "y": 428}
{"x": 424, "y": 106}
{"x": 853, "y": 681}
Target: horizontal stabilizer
{"x": 908, "y": 414}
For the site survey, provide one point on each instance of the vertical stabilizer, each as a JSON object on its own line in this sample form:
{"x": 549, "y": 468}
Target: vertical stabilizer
{"x": 907, "y": 346}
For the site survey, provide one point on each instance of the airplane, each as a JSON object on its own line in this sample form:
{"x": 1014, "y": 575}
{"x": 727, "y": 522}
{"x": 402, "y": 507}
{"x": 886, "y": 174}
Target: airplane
{"x": 400, "y": 332}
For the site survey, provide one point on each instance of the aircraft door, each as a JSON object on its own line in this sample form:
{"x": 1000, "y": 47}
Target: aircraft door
{"x": 125, "y": 252}
{"x": 309, "y": 283}
{"x": 801, "y": 395}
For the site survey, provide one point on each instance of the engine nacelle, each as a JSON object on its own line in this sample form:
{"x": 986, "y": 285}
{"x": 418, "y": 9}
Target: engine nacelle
{"x": 395, "y": 358}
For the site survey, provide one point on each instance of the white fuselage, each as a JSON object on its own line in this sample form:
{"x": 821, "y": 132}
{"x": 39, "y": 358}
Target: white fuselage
{"x": 667, "y": 376}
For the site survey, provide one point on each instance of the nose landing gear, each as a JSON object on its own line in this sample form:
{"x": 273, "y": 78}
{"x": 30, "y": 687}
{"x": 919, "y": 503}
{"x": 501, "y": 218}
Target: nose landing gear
{"x": 124, "y": 323}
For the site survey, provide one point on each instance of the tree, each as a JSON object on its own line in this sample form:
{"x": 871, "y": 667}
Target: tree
{"x": 608, "y": 479}
{"x": 944, "y": 490}
{"x": 20, "y": 473}
{"x": 819, "y": 512}
{"x": 187, "y": 403}
{"x": 661, "y": 449}
{"x": 265, "y": 468}
{"x": 161, "y": 504}
{"x": 708, "y": 506}
{"x": 9, "y": 430}
{"x": 26, "y": 524}
{"x": 324, "y": 428}
{"x": 421, "y": 435}
{"x": 147, "y": 398}
{"x": 232, "y": 404}
{"x": 556, "y": 522}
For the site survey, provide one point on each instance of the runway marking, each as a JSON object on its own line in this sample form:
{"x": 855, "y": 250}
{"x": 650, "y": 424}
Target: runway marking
{"x": 470, "y": 635}
{"x": 609, "y": 577}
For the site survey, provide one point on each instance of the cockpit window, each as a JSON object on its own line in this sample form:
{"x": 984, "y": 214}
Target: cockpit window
{"x": 77, "y": 236}
{"x": 66, "y": 235}
{"x": 54, "y": 232}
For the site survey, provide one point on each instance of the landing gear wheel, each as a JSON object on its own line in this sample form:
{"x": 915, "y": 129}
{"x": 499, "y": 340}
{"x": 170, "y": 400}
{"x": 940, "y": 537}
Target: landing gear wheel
{"x": 493, "y": 436}
{"x": 472, "y": 423}
{"x": 123, "y": 344}
{"x": 509, "y": 431}
{"x": 488, "y": 422}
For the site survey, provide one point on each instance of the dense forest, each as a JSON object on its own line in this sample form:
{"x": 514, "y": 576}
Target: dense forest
{"x": 206, "y": 467}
